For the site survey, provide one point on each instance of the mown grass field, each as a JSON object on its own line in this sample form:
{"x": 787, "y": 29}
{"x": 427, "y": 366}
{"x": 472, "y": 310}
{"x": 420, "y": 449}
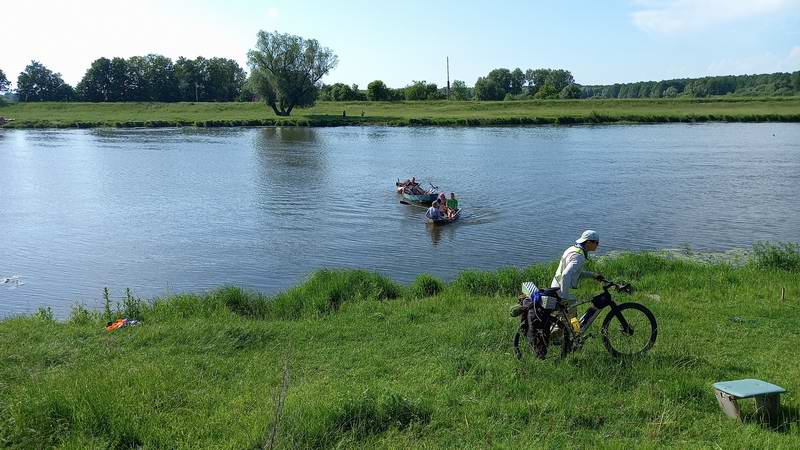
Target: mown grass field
{"x": 86, "y": 115}
{"x": 372, "y": 364}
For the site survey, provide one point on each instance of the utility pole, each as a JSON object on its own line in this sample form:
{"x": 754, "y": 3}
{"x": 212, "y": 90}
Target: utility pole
{"x": 448, "y": 78}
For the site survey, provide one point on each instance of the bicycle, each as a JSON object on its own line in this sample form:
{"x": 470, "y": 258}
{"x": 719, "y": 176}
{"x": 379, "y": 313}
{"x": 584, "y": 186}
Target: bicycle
{"x": 629, "y": 329}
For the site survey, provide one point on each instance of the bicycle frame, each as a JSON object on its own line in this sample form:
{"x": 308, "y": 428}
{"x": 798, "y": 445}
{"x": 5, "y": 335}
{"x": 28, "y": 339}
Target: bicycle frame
{"x": 588, "y": 318}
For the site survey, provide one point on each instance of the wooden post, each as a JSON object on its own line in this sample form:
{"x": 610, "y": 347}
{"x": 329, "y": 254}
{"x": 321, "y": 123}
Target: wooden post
{"x": 783, "y": 293}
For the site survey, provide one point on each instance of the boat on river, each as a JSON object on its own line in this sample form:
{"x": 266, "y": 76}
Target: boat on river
{"x": 426, "y": 198}
{"x": 445, "y": 220}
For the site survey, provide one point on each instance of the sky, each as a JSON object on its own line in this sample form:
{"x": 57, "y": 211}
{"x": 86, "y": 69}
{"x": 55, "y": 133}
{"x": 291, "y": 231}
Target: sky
{"x": 600, "y": 42}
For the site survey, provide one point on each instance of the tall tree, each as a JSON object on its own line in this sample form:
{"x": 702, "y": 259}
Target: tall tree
{"x": 225, "y": 79}
{"x": 96, "y": 83}
{"x": 503, "y": 78}
{"x": 488, "y": 89}
{"x": 378, "y": 92}
{"x": 517, "y": 81}
{"x": 191, "y": 75}
{"x": 536, "y": 79}
{"x": 422, "y": 90}
{"x": 38, "y": 83}
{"x": 159, "y": 71}
{"x": 118, "y": 80}
{"x": 137, "y": 88}
{"x": 287, "y": 70}
{"x": 560, "y": 78}
{"x": 4, "y": 83}
{"x": 459, "y": 90}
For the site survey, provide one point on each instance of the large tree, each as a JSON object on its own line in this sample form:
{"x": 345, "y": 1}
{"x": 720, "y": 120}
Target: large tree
{"x": 378, "y": 92}
{"x": 286, "y": 70}
{"x": 192, "y": 76}
{"x": 96, "y": 83}
{"x": 488, "y": 89}
{"x": 38, "y": 83}
{"x": 459, "y": 90}
{"x": 224, "y": 79}
{"x": 422, "y": 90}
{"x": 159, "y": 71}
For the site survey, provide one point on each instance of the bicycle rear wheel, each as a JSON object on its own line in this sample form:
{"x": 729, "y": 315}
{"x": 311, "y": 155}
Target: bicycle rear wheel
{"x": 544, "y": 348}
{"x": 629, "y": 330}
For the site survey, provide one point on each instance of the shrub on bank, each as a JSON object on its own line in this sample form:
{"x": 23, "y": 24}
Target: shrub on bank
{"x": 325, "y": 291}
{"x": 780, "y": 256}
{"x": 426, "y": 285}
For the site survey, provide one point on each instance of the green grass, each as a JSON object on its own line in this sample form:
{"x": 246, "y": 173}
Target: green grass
{"x": 372, "y": 364}
{"x": 87, "y": 115}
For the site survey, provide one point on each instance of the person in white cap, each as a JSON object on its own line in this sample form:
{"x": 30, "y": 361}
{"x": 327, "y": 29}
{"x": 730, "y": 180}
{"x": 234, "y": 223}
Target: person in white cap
{"x": 570, "y": 268}
{"x": 570, "y": 271}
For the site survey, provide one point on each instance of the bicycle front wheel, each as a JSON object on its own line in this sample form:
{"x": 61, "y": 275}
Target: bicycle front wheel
{"x": 629, "y": 330}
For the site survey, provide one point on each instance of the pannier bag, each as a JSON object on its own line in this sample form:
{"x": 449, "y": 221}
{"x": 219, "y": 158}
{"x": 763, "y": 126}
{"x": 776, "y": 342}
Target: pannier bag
{"x": 533, "y": 293}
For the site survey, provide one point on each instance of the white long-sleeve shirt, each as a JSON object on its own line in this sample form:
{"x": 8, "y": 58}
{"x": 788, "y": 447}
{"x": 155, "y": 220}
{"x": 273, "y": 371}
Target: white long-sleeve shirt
{"x": 570, "y": 270}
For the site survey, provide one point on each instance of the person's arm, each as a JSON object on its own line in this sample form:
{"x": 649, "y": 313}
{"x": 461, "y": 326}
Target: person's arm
{"x": 587, "y": 274}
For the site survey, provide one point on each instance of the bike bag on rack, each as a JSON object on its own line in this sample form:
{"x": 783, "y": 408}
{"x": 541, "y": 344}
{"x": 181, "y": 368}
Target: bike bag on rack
{"x": 543, "y": 298}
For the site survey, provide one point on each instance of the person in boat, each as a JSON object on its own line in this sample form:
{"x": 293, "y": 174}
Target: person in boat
{"x": 452, "y": 205}
{"x": 434, "y": 213}
{"x": 416, "y": 190}
{"x": 443, "y": 208}
{"x": 409, "y": 183}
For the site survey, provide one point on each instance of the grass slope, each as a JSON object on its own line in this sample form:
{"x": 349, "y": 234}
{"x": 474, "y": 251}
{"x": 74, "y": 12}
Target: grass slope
{"x": 86, "y": 115}
{"x": 374, "y": 364}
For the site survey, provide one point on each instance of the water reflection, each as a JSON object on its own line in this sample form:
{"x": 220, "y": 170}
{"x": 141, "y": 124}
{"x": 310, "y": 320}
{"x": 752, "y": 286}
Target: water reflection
{"x": 437, "y": 232}
{"x": 292, "y": 170}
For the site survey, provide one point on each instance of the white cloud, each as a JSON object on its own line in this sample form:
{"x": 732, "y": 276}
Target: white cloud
{"x": 676, "y": 16}
{"x": 763, "y": 63}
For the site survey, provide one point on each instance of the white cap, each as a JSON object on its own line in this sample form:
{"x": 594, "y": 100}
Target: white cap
{"x": 588, "y": 235}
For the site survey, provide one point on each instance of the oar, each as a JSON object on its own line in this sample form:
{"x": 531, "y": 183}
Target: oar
{"x": 411, "y": 204}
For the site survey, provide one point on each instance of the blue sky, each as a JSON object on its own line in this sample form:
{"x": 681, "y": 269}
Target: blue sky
{"x": 598, "y": 41}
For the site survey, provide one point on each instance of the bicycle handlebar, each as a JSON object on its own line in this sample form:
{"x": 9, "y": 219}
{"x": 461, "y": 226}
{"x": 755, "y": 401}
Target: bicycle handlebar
{"x": 620, "y": 287}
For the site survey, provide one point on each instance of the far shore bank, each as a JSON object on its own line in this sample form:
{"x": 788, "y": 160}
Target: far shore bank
{"x": 426, "y": 113}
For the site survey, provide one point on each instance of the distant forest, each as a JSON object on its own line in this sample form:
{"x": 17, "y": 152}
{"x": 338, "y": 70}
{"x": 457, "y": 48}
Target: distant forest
{"x": 156, "y": 78}
{"x": 774, "y": 84}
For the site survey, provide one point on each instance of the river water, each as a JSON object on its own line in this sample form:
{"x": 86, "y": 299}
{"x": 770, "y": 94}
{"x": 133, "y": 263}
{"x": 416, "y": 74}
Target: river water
{"x": 171, "y": 210}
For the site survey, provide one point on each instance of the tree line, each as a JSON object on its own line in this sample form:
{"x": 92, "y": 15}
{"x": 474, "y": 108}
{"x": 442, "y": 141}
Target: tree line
{"x": 153, "y": 78}
{"x": 774, "y": 84}
{"x": 286, "y": 72}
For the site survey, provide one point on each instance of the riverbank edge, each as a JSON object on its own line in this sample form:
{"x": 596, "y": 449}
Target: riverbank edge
{"x": 321, "y": 122}
{"x": 760, "y": 255}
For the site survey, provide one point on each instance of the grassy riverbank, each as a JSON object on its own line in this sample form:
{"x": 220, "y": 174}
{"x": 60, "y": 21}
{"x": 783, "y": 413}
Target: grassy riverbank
{"x": 371, "y": 364}
{"x": 87, "y": 115}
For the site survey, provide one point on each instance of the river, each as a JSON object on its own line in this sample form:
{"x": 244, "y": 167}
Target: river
{"x": 163, "y": 211}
